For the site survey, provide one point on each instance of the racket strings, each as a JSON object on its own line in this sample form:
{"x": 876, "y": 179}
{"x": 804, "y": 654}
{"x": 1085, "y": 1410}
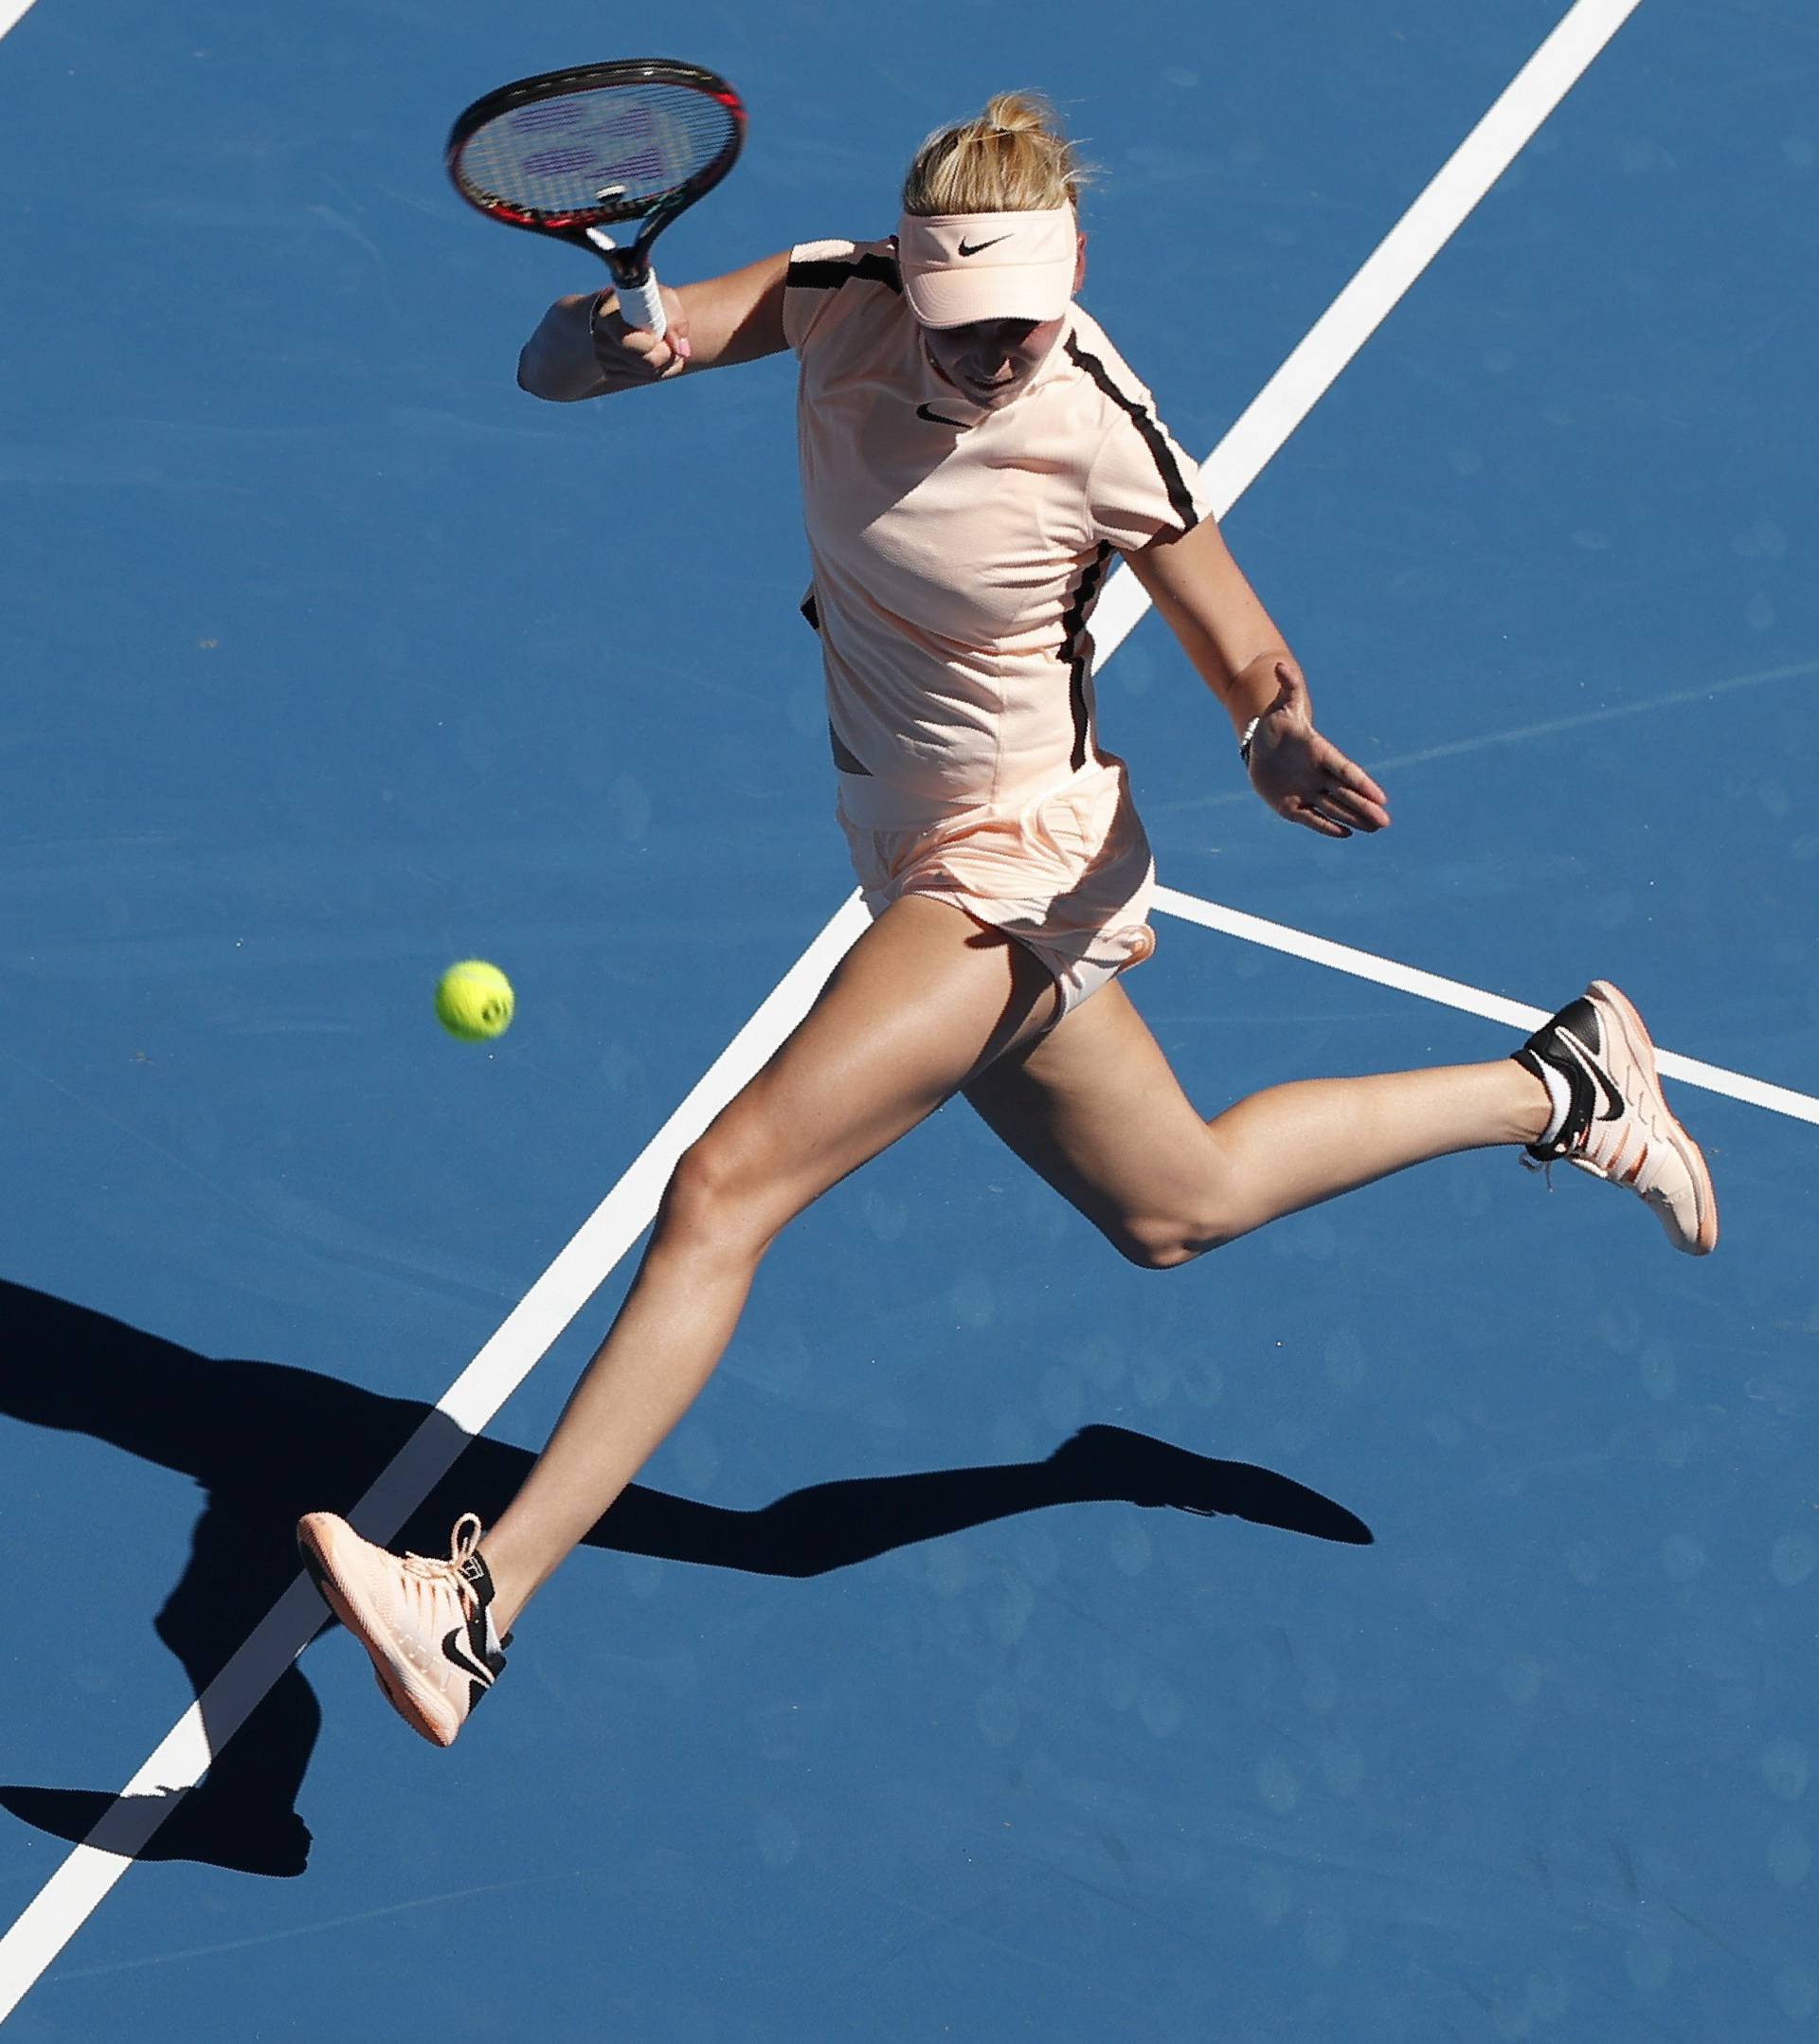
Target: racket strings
{"x": 611, "y": 154}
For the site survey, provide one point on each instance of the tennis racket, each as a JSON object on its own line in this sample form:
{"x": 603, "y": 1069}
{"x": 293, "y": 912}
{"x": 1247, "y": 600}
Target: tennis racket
{"x": 575, "y": 154}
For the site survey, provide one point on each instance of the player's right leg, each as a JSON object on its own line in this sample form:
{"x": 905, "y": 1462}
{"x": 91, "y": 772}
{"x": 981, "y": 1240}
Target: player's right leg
{"x": 1095, "y": 1108}
{"x": 924, "y": 1000}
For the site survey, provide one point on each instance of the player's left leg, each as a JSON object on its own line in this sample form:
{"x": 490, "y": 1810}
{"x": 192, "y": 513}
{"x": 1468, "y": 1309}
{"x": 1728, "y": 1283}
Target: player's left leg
{"x": 925, "y": 997}
{"x": 1094, "y": 1107}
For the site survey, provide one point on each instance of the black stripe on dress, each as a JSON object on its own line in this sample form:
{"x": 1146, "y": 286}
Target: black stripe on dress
{"x": 828, "y": 272}
{"x": 844, "y": 757}
{"x": 1076, "y": 650}
{"x": 1180, "y": 498}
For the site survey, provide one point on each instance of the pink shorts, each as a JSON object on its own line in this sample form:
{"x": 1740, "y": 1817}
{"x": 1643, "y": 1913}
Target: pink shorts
{"x": 1068, "y": 874}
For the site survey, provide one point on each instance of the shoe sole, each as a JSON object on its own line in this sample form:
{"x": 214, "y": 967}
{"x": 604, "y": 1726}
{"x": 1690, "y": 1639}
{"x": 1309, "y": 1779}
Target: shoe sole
{"x": 365, "y": 1625}
{"x": 1642, "y": 1047}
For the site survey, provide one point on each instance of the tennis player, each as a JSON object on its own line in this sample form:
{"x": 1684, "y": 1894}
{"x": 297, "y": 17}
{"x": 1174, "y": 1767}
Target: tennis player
{"x": 975, "y": 455}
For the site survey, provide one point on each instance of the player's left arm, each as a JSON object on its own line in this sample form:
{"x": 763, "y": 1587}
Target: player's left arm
{"x": 1237, "y": 649}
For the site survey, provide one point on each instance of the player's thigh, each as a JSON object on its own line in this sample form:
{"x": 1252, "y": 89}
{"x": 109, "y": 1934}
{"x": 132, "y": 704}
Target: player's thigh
{"x": 1095, "y": 1107}
{"x": 923, "y": 1002}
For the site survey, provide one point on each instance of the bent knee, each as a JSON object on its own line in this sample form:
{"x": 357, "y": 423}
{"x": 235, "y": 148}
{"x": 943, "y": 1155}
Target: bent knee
{"x": 717, "y": 1193}
{"x": 1165, "y": 1244}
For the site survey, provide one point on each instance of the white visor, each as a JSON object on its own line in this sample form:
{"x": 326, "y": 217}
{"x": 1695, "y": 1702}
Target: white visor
{"x": 959, "y": 267}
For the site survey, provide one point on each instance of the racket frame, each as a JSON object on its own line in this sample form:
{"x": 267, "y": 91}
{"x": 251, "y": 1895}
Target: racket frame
{"x": 588, "y": 227}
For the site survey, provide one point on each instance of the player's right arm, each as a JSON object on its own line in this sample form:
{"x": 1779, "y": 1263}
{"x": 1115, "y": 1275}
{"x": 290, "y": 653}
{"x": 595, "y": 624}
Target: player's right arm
{"x": 576, "y": 353}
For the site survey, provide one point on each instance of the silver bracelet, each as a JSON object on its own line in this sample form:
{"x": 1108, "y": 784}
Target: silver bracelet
{"x": 1244, "y": 742}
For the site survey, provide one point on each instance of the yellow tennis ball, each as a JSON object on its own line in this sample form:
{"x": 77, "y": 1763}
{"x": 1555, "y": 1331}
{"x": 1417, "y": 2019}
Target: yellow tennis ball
{"x": 475, "y": 1001}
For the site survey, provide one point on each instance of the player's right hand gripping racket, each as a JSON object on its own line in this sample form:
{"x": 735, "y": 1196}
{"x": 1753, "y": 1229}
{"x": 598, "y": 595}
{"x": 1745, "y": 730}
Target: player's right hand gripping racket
{"x": 576, "y": 153}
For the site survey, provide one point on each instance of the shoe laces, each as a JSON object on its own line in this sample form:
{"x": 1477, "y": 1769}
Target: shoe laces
{"x": 462, "y": 1545}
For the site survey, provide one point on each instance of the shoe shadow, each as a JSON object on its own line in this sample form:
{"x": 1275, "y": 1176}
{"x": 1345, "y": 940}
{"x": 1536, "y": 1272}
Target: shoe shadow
{"x": 267, "y": 1442}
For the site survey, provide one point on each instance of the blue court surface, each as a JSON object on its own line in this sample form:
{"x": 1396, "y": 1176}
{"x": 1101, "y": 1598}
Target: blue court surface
{"x": 1473, "y": 1696}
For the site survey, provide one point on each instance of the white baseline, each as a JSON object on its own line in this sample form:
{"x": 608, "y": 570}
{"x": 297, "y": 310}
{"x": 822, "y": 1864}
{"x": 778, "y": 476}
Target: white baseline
{"x": 1455, "y": 994}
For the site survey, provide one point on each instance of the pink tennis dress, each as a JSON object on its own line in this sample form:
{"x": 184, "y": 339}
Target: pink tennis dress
{"x": 958, "y": 554}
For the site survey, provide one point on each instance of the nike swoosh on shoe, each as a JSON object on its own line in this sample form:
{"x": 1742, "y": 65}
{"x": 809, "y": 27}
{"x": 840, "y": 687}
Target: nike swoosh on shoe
{"x": 1616, "y": 1104}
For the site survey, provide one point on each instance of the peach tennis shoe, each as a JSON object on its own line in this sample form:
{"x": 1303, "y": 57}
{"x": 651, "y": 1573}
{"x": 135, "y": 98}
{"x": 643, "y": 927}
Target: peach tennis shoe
{"x": 426, "y": 1623}
{"x": 1616, "y": 1124}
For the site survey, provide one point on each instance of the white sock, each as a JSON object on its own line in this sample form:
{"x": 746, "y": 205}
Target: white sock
{"x": 1559, "y": 1100}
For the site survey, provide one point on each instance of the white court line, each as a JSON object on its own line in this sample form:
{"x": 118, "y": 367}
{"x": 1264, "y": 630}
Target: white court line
{"x": 1404, "y": 252}
{"x": 12, "y": 13}
{"x": 78, "y": 1885}
{"x": 1455, "y": 994}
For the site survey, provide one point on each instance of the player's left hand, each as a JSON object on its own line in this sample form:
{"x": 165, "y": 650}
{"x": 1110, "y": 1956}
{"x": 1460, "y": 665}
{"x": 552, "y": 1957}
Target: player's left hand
{"x": 1305, "y": 777}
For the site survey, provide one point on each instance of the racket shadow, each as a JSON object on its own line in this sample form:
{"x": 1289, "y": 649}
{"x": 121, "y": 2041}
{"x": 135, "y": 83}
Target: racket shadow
{"x": 268, "y": 1441}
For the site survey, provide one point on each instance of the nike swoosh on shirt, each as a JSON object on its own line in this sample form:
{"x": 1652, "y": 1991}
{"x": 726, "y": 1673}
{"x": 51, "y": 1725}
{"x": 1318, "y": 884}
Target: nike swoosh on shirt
{"x": 973, "y": 248}
{"x": 936, "y": 418}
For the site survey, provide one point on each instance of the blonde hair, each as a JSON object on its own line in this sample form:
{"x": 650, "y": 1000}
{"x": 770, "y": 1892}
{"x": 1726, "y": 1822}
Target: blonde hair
{"x": 1012, "y": 158}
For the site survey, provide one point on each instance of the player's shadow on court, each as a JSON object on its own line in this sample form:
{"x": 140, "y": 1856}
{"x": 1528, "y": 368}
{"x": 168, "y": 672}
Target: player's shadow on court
{"x": 267, "y": 1442}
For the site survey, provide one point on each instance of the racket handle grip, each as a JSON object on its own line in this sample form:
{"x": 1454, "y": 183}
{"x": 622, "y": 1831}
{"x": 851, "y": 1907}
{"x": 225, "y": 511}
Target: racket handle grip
{"x": 640, "y": 304}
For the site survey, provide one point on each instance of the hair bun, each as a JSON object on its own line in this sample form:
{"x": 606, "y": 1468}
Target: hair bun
{"x": 1020, "y": 113}
{"x": 1013, "y": 157}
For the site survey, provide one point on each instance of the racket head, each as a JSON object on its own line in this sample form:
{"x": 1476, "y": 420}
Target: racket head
{"x": 597, "y": 146}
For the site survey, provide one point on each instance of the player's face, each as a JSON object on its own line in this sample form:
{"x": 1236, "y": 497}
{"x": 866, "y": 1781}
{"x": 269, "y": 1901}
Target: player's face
{"x": 991, "y": 360}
